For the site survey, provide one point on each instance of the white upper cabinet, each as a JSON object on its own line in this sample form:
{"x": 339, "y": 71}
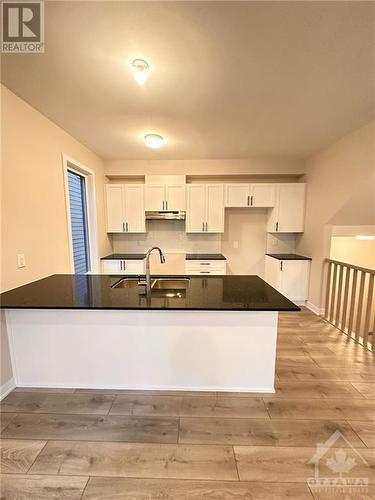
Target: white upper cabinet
{"x": 250, "y": 195}
{"x": 155, "y": 197}
{"x": 289, "y": 212}
{"x": 168, "y": 193}
{"x": 237, "y": 195}
{"x": 215, "y": 208}
{"x": 125, "y": 208}
{"x": 262, "y": 195}
{"x": 196, "y": 212}
{"x": 175, "y": 197}
{"x": 115, "y": 208}
{"x": 205, "y": 212}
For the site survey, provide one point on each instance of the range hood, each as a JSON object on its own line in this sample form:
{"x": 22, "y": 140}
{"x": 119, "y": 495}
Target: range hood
{"x": 166, "y": 215}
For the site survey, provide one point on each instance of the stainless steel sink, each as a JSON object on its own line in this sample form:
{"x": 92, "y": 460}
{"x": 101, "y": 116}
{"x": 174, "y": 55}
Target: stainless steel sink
{"x": 126, "y": 283}
{"x": 170, "y": 284}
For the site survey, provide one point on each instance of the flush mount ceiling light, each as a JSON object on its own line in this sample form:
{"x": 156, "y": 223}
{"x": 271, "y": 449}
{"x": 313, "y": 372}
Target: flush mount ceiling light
{"x": 140, "y": 69}
{"x": 154, "y": 141}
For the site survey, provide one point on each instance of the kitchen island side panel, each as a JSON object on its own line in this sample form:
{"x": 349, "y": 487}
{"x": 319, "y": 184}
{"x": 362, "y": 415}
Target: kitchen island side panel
{"x": 155, "y": 350}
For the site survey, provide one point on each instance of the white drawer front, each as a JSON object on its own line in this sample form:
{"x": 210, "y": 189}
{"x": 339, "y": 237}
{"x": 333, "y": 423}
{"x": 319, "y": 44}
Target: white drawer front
{"x": 194, "y": 272}
{"x": 205, "y": 267}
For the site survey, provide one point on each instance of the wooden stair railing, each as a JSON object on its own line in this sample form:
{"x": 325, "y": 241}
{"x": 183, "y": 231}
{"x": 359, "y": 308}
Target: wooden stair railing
{"x": 350, "y": 301}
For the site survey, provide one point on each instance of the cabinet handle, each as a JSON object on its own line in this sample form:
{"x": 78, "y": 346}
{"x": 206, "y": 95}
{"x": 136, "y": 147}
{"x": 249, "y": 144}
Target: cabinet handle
{"x": 123, "y": 265}
{"x": 206, "y": 227}
{"x": 248, "y": 200}
{"x": 281, "y": 265}
{"x": 166, "y": 204}
{"x": 120, "y": 265}
{"x": 204, "y": 272}
{"x": 163, "y": 205}
{"x": 204, "y": 263}
{"x": 251, "y": 200}
{"x": 123, "y": 227}
{"x": 277, "y": 226}
{"x": 127, "y": 227}
{"x": 203, "y": 227}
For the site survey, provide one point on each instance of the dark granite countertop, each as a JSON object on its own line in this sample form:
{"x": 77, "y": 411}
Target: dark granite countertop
{"x": 205, "y": 256}
{"x": 125, "y": 256}
{"x": 288, "y": 256}
{"x": 210, "y": 293}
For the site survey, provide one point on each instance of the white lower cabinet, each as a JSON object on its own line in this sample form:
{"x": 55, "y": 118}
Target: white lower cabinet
{"x": 205, "y": 267}
{"x": 131, "y": 266}
{"x": 289, "y": 277}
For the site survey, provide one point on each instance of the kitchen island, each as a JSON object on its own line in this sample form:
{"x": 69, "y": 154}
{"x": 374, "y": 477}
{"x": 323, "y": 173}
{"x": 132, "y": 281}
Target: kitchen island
{"x": 215, "y": 333}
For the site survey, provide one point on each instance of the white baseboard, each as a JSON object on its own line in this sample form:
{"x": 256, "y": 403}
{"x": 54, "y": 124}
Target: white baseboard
{"x": 175, "y": 388}
{"x": 316, "y": 310}
{"x": 6, "y": 388}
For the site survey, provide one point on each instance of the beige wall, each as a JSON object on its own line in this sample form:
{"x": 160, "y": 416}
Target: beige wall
{"x": 340, "y": 191}
{"x": 33, "y": 195}
{"x": 357, "y": 252}
{"x": 33, "y": 198}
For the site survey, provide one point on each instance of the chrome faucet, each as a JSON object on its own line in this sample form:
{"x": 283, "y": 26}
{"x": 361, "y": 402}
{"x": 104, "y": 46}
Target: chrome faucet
{"x": 147, "y": 282}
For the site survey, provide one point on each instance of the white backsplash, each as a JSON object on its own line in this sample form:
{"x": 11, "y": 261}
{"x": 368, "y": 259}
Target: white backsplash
{"x": 281, "y": 243}
{"x": 170, "y": 236}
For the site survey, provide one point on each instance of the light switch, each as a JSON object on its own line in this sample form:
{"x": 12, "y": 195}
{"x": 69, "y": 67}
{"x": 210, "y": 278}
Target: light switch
{"x": 21, "y": 261}
{"x": 235, "y": 244}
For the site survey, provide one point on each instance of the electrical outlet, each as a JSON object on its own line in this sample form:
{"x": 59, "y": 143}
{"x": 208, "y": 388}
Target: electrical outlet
{"x": 21, "y": 261}
{"x": 235, "y": 244}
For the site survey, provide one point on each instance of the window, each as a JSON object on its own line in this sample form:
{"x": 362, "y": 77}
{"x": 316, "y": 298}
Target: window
{"x": 79, "y": 222}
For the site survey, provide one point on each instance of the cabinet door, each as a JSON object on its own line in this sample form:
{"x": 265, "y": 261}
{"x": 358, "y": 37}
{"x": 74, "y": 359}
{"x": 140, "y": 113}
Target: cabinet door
{"x": 115, "y": 207}
{"x": 237, "y": 195}
{"x": 291, "y": 210}
{"x": 134, "y": 209}
{"x": 215, "y": 208}
{"x": 263, "y": 195}
{"x": 133, "y": 266}
{"x": 112, "y": 266}
{"x": 196, "y": 208}
{"x": 272, "y": 272}
{"x": 176, "y": 197}
{"x": 154, "y": 197}
{"x": 294, "y": 279}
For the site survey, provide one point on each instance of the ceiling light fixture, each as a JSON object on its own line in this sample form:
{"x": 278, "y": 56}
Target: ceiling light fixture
{"x": 140, "y": 70}
{"x": 365, "y": 237}
{"x": 154, "y": 141}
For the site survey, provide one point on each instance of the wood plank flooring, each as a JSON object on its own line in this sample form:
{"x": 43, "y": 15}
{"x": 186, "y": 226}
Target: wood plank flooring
{"x": 109, "y": 444}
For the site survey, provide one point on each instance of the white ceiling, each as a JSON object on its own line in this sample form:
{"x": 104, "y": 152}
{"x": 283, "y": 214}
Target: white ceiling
{"x": 228, "y": 80}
